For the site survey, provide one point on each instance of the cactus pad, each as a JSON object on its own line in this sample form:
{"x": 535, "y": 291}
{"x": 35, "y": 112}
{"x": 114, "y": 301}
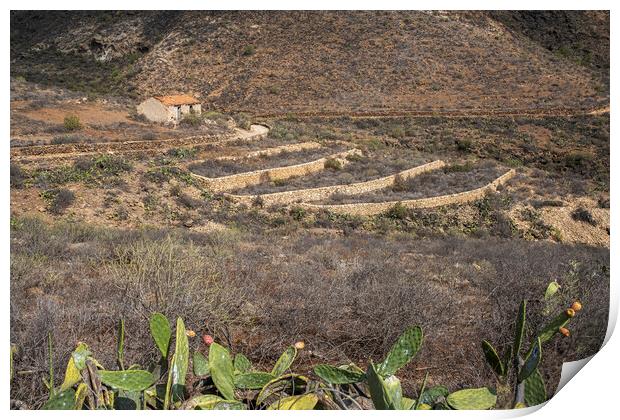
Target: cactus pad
{"x": 221, "y": 367}
{"x": 295, "y": 402}
{"x": 127, "y": 380}
{"x": 402, "y": 352}
{"x": 281, "y": 387}
{"x": 381, "y": 392}
{"x": 430, "y": 395}
{"x": 161, "y": 332}
{"x": 492, "y": 358}
{"x": 200, "y": 364}
{"x": 285, "y": 361}
{"x": 204, "y": 402}
{"x": 532, "y": 361}
{"x": 552, "y": 328}
{"x": 337, "y": 376}
{"x": 181, "y": 351}
{"x": 62, "y": 401}
{"x": 472, "y": 399}
{"x": 519, "y": 329}
{"x": 253, "y": 380}
{"x": 535, "y": 392}
{"x": 242, "y": 364}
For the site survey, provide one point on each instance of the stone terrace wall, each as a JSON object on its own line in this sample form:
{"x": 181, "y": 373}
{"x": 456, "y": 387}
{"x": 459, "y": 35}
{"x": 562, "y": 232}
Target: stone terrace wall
{"x": 369, "y": 209}
{"x": 231, "y": 182}
{"x": 321, "y": 193}
{"x": 275, "y": 150}
{"x": 50, "y": 151}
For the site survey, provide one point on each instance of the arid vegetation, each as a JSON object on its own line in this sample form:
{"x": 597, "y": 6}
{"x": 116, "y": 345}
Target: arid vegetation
{"x": 114, "y": 217}
{"x": 266, "y": 291}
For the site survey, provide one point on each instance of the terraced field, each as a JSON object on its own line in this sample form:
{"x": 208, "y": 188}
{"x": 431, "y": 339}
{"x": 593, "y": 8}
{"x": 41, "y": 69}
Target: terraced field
{"x": 357, "y": 169}
{"x": 346, "y": 181}
{"x": 218, "y": 167}
{"x": 447, "y": 180}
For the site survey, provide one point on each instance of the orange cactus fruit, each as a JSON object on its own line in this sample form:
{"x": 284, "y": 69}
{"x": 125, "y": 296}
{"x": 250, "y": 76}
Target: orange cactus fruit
{"x": 300, "y": 345}
{"x": 576, "y": 306}
{"x": 190, "y": 333}
{"x": 565, "y": 332}
{"x": 570, "y": 312}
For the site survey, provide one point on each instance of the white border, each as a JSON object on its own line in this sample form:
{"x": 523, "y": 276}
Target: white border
{"x": 592, "y": 394}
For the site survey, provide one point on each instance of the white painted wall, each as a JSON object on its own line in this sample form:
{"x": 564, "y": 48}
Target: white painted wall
{"x": 155, "y": 111}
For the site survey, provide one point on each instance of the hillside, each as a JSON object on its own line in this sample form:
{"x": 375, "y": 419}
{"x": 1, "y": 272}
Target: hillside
{"x": 389, "y": 171}
{"x": 266, "y": 62}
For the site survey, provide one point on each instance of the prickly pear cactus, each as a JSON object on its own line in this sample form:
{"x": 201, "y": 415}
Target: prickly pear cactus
{"x": 472, "y": 399}
{"x": 200, "y": 364}
{"x": 295, "y": 402}
{"x": 127, "y": 380}
{"x": 65, "y": 400}
{"x": 402, "y": 352}
{"x": 181, "y": 351}
{"x": 337, "y": 376}
{"x": 285, "y": 361}
{"x": 553, "y": 327}
{"x": 385, "y": 394}
{"x": 535, "y": 392}
{"x": 492, "y": 358}
{"x": 161, "y": 332}
{"x": 203, "y": 402}
{"x": 241, "y": 363}
{"x": 532, "y": 361}
{"x": 222, "y": 373}
{"x": 253, "y": 380}
{"x": 431, "y": 395}
{"x": 519, "y": 329}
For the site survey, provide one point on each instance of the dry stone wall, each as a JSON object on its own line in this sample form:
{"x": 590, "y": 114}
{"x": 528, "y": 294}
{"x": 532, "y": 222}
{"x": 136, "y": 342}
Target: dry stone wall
{"x": 321, "y": 193}
{"x": 275, "y": 150}
{"x": 231, "y": 182}
{"x": 51, "y": 151}
{"x": 369, "y": 209}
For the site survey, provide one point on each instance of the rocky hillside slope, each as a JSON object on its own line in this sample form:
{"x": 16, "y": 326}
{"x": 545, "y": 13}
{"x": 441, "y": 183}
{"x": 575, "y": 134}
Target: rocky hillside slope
{"x": 323, "y": 61}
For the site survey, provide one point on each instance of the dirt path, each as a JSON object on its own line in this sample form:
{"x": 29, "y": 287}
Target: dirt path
{"x": 69, "y": 151}
{"x": 462, "y": 113}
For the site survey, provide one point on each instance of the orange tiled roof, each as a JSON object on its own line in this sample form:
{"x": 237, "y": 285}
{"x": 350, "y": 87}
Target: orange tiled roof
{"x": 177, "y": 100}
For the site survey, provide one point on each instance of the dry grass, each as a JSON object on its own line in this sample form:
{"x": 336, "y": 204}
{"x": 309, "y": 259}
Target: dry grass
{"x": 347, "y": 297}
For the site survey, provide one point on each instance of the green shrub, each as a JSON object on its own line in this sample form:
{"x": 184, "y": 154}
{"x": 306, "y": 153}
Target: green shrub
{"x": 578, "y": 161}
{"x": 397, "y": 212}
{"x": 58, "y": 200}
{"x": 192, "y": 119}
{"x": 333, "y": 164}
{"x": 298, "y": 213}
{"x": 582, "y": 214}
{"x": 249, "y": 50}
{"x": 464, "y": 145}
{"x": 243, "y": 121}
{"x": 72, "y": 123}
{"x": 17, "y": 176}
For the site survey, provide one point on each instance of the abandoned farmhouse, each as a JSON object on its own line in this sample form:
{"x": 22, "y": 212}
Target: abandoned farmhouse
{"x": 169, "y": 109}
